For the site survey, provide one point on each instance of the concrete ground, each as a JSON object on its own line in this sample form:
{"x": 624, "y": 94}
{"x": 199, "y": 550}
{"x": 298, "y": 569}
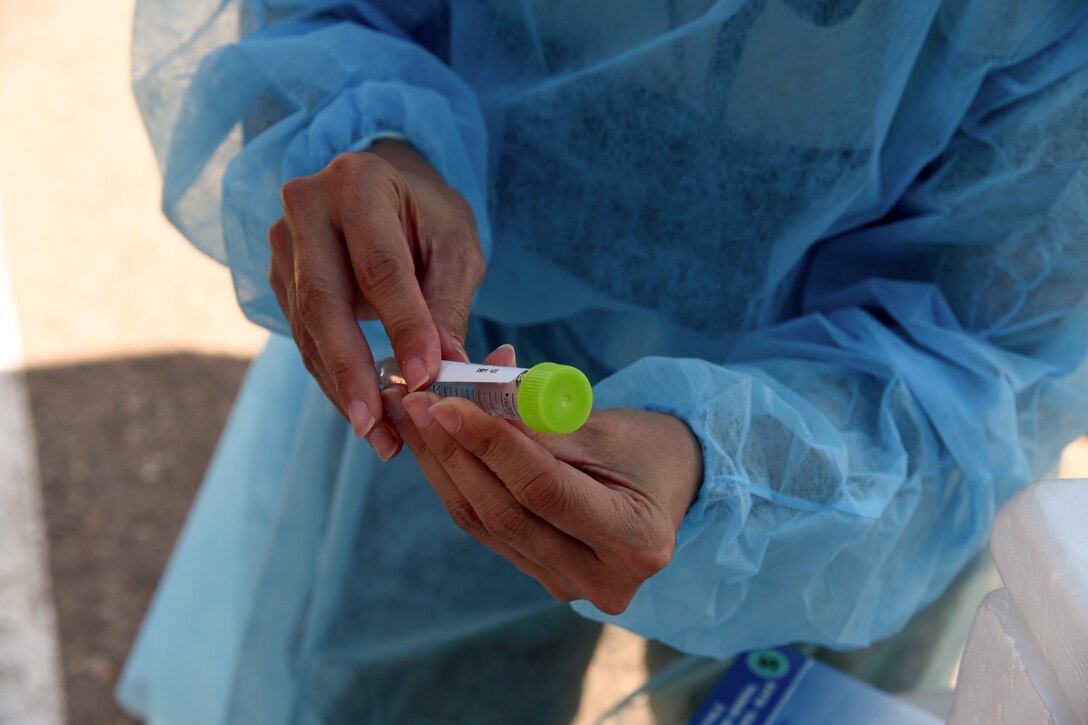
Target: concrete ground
{"x": 132, "y": 345}
{"x": 130, "y": 351}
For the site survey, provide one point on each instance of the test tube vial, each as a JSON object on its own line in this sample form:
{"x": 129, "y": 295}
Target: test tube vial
{"x": 547, "y": 397}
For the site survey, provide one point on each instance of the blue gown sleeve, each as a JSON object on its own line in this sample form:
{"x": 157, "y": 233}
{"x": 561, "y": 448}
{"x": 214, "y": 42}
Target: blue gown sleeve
{"x": 855, "y": 454}
{"x": 242, "y": 97}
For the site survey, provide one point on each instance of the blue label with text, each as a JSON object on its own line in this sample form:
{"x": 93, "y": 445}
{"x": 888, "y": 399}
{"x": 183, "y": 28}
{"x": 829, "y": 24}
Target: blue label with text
{"x": 751, "y": 691}
{"x": 782, "y": 686}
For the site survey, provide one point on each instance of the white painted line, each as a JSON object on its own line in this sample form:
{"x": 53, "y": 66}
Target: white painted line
{"x": 30, "y": 683}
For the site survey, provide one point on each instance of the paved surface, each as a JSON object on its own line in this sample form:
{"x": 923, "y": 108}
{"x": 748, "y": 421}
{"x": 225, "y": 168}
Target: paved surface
{"x": 132, "y": 348}
{"x": 30, "y": 689}
{"x": 131, "y": 341}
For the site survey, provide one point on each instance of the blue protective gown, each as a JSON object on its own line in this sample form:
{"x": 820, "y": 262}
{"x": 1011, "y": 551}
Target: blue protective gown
{"x": 845, "y": 240}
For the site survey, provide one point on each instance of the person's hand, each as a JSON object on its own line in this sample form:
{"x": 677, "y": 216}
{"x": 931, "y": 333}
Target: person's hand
{"x": 589, "y": 515}
{"x": 375, "y": 235}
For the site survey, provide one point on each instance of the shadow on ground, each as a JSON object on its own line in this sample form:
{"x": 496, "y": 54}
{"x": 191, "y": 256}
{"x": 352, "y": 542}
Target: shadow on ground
{"x": 122, "y": 446}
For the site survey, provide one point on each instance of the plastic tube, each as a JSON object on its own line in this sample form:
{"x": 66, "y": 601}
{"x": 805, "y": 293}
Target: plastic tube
{"x": 547, "y": 397}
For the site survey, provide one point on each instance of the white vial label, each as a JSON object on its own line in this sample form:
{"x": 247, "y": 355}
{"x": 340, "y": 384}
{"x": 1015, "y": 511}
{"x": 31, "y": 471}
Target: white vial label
{"x": 456, "y": 372}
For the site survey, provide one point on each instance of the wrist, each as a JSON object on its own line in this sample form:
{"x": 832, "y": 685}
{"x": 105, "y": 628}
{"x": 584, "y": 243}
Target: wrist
{"x": 662, "y": 451}
{"x": 689, "y": 464}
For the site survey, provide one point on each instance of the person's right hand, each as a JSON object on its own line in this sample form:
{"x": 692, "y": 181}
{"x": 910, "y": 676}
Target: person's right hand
{"x": 590, "y": 515}
{"x": 375, "y": 235}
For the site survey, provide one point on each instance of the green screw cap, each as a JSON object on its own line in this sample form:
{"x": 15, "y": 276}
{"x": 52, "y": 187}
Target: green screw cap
{"x": 554, "y": 398}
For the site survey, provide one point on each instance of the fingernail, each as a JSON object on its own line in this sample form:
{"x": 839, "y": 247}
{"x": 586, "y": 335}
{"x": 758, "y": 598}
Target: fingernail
{"x": 460, "y": 347}
{"x": 513, "y": 355}
{"x": 447, "y": 417}
{"x": 415, "y": 374}
{"x": 362, "y": 420}
{"x": 383, "y": 443}
{"x": 391, "y": 401}
{"x": 419, "y": 410}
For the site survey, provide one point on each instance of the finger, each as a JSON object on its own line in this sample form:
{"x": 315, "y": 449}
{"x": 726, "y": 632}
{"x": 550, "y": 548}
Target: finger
{"x": 456, "y": 268}
{"x": 323, "y": 295}
{"x": 282, "y": 280}
{"x": 393, "y": 402}
{"x": 457, "y": 505}
{"x": 384, "y": 439}
{"x": 285, "y": 292}
{"x": 383, "y": 266}
{"x": 500, "y": 513}
{"x": 452, "y": 346}
{"x": 552, "y": 490}
{"x": 503, "y": 355}
{"x": 310, "y": 358}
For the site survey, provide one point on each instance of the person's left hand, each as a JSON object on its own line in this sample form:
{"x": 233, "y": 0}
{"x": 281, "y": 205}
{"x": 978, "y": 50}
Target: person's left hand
{"x": 590, "y": 515}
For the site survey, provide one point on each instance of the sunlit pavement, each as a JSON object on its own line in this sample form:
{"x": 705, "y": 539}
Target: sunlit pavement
{"x": 132, "y": 348}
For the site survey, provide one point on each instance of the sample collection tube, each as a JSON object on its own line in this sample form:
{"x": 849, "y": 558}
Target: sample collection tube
{"x": 547, "y": 397}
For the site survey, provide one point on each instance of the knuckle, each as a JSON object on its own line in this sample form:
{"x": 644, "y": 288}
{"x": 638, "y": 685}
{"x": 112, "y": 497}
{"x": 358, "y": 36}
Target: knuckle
{"x": 451, "y": 309}
{"x": 477, "y": 266}
{"x": 351, "y": 169}
{"x": 650, "y": 557}
{"x": 344, "y": 167}
{"x": 402, "y": 329}
{"x": 461, "y": 209}
{"x": 562, "y": 593}
{"x": 490, "y": 448}
{"x": 381, "y": 272}
{"x": 279, "y": 236}
{"x": 457, "y": 313}
{"x": 276, "y": 284}
{"x": 314, "y": 299}
{"x": 370, "y": 162}
{"x": 296, "y": 194}
{"x": 341, "y": 370}
{"x": 308, "y": 350}
{"x": 446, "y": 449}
{"x": 648, "y": 562}
{"x": 611, "y": 600}
{"x": 505, "y": 521}
{"x": 540, "y": 494}
{"x": 464, "y": 516}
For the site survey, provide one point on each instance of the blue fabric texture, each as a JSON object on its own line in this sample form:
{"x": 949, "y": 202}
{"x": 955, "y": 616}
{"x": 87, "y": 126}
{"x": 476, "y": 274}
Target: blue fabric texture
{"x": 845, "y": 240}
